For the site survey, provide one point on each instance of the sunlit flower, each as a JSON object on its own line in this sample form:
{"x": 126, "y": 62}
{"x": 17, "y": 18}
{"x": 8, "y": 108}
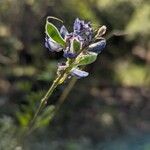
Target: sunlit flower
{"x": 77, "y": 45}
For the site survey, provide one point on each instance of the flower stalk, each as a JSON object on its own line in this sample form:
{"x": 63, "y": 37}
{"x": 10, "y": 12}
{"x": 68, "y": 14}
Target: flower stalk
{"x": 44, "y": 100}
{"x": 79, "y": 48}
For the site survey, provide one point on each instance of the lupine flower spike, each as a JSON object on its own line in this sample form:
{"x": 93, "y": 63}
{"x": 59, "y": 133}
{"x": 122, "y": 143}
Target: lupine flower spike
{"x": 78, "y": 46}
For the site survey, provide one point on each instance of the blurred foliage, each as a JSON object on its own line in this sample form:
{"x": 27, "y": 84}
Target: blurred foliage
{"x": 7, "y": 130}
{"x": 111, "y": 102}
{"x": 139, "y": 23}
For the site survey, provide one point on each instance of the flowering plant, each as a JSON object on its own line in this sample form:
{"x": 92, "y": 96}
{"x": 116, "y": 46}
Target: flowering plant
{"x": 80, "y": 48}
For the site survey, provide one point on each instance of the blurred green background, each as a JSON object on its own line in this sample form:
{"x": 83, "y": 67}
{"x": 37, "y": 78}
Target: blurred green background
{"x": 108, "y": 110}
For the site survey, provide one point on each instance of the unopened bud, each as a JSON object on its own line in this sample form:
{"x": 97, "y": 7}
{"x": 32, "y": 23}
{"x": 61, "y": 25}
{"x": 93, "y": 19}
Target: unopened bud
{"x": 101, "y": 31}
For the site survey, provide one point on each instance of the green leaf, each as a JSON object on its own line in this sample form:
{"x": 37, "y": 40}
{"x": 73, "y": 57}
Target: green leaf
{"x": 76, "y": 45}
{"x": 85, "y": 59}
{"x": 23, "y": 119}
{"x": 53, "y": 32}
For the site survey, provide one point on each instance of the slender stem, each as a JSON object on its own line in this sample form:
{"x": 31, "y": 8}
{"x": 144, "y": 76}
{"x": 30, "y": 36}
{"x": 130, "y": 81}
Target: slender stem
{"x": 43, "y": 102}
{"x": 45, "y": 99}
{"x": 66, "y": 92}
{"x": 63, "y": 97}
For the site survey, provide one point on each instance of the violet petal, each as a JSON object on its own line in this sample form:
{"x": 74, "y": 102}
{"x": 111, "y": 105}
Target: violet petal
{"x": 63, "y": 31}
{"x": 52, "y": 45}
{"x": 79, "y": 73}
{"x": 97, "y": 47}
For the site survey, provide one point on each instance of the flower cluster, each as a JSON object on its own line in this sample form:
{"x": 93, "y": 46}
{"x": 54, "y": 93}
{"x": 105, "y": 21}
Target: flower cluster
{"x": 79, "y": 45}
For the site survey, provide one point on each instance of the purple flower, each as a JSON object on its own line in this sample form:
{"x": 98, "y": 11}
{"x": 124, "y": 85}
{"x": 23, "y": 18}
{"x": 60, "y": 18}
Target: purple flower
{"x": 68, "y": 54}
{"x": 63, "y": 31}
{"x": 97, "y": 47}
{"x": 82, "y": 33}
{"x": 76, "y": 40}
{"x": 81, "y": 26}
{"x": 76, "y": 45}
{"x": 52, "y": 45}
{"x": 79, "y": 73}
{"x": 84, "y": 30}
{"x": 71, "y": 51}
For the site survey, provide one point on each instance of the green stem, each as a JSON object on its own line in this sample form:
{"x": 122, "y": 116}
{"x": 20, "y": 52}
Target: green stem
{"x": 66, "y": 92}
{"x": 44, "y": 100}
{"x": 63, "y": 97}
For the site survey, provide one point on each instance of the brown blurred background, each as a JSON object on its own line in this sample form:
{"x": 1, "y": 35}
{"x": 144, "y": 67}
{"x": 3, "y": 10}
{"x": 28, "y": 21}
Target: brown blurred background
{"x": 108, "y": 110}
